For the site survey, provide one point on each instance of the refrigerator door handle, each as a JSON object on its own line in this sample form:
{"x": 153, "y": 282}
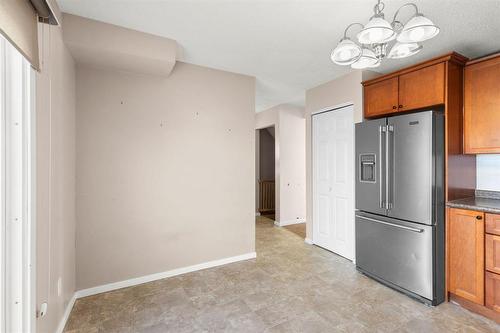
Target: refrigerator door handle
{"x": 391, "y": 224}
{"x": 388, "y": 165}
{"x": 381, "y": 195}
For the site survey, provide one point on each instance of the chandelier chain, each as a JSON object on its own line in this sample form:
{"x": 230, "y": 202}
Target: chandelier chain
{"x": 379, "y": 8}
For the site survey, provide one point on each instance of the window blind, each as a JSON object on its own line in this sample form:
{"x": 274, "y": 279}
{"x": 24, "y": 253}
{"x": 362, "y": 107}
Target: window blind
{"x": 19, "y": 25}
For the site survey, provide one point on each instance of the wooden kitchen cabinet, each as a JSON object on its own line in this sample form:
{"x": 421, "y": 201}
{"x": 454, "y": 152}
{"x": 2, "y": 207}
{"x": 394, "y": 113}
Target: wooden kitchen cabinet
{"x": 492, "y": 290}
{"x": 381, "y": 98}
{"x": 434, "y": 82}
{"x": 421, "y": 88}
{"x": 466, "y": 254}
{"x": 492, "y": 246}
{"x": 413, "y": 90}
{"x": 482, "y": 106}
{"x": 493, "y": 224}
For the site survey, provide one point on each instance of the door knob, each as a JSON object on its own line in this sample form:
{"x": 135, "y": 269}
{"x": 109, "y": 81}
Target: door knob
{"x": 394, "y": 107}
{"x": 479, "y": 217}
{"x": 400, "y": 106}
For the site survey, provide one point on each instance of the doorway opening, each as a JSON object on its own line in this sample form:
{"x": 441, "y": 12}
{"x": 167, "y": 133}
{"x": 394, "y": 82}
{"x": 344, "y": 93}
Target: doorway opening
{"x": 266, "y": 172}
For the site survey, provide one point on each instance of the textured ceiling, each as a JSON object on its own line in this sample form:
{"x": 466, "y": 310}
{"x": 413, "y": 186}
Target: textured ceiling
{"x": 286, "y": 44}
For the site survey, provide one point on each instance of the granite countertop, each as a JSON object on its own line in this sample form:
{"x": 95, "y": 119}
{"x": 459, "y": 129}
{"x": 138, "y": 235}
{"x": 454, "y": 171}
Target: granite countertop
{"x": 483, "y": 201}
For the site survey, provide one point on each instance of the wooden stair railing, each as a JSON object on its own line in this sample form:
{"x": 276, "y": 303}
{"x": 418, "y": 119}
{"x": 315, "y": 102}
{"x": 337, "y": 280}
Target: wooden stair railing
{"x": 266, "y": 196}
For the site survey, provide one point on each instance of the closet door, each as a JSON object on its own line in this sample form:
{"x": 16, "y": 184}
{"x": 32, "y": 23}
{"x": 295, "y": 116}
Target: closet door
{"x": 333, "y": 180}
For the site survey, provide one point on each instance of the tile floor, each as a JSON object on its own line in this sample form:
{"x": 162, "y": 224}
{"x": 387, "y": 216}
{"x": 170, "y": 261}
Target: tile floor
{"x": 299, "y": 229}
{"x": 290, "y": 287}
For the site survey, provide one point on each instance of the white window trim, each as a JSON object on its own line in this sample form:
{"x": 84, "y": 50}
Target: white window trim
{"x": 17, "y": 233}
{"x": 3, "y": 190}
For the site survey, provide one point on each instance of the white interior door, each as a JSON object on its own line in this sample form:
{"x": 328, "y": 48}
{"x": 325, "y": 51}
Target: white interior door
{"x": 333, "y": 180}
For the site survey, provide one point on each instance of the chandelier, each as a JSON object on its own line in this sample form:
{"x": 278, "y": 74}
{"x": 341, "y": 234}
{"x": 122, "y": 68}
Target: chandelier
{"x": 374, "y": 38}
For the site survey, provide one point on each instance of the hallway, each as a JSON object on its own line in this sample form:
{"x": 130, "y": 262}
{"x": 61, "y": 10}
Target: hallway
{"x": 290, "y": 287}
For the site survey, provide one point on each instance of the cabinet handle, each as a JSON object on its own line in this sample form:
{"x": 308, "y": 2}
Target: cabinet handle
{"x": 400, "y": 106}
{"x": 479, "y": 217}
{"x": 394, "y": 107}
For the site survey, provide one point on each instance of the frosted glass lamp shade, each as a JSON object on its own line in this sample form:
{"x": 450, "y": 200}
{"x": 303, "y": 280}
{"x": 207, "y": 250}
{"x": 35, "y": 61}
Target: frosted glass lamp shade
{"x": 403, "y": 50}
{"x": 346, "y": 52}
{"x": 376, "y": 31}
{"x": 367, "y": 60}
{"x": 418, "y": 29}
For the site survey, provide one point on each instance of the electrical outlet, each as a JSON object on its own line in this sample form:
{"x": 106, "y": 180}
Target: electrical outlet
{"x": 43, "y": 310}
{"x": 59, "y": 286}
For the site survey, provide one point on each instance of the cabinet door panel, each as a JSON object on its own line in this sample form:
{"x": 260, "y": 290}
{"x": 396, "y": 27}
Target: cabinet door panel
{"x": 482, "y": 107}
{"x": 492, "y": 289}
{"x": 492, "y": 245}
{"x": 421, "y": 88}
{"x": 493, "y": 224}
{"x": 381, "y": 98}
{"x": 466, "y": 254}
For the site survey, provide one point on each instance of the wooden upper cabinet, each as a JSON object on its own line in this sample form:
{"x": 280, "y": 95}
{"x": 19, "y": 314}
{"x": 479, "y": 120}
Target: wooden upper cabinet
{"x": 381, "y": 98}
{"x": 433, "y": 82}
{"x": 482, "y": 106}
{"x": 422, "y": 88}
{"x": 466, "y": 254}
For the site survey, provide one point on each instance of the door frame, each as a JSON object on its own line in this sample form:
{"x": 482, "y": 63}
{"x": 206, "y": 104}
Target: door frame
{"x": 317, "y": 112}
{"x": 276, "y": 169}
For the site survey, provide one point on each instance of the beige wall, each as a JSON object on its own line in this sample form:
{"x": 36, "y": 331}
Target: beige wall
{"x": 341, "y": 91}
{"x": 55, "y": 164}
{"x": 289, "y": 136}
{"x": 292, "y": 165}
{"x": 165, "y": 170}
{"x": 112, "y": 47}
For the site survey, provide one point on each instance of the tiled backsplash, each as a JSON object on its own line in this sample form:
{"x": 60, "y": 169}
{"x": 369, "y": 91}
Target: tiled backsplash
{"x": 488, "y": 172}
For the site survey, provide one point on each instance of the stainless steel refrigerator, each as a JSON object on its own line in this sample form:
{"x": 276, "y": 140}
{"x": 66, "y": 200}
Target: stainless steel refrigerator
{"x": 400, "y": 203}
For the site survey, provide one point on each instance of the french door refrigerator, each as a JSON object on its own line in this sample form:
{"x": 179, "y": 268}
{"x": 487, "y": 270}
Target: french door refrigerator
{"x": 400, "y": 203}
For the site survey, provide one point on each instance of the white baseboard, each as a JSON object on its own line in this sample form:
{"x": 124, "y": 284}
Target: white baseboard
{"x": 162, "y": 275}
{"x": 308, "y": 241}
{"x": 144, "y": 279}
{"x": 64, "y": 319}
{"x": 290, "y": 222}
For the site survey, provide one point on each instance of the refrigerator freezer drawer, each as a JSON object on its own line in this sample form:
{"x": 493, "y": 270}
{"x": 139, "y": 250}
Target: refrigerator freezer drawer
{"x": 397, "y": 252}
